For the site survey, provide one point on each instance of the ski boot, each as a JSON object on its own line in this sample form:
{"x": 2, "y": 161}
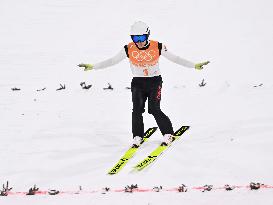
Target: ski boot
{"x": 137, "y": 141}
{"x": 168, "y": 139}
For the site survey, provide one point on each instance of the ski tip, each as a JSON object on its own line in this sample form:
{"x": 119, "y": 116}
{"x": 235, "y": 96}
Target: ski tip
{"x": 111, "y": 173}
{"x": 136, "y": 169}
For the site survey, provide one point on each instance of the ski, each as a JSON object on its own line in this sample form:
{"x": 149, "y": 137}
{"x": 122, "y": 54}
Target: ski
{"x": 130, "y": 153}
{"x": 159, "y": 150}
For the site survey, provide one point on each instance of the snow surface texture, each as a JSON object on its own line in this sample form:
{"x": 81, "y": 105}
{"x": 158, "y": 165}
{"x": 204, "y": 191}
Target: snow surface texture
{"x": 63, "y": 139}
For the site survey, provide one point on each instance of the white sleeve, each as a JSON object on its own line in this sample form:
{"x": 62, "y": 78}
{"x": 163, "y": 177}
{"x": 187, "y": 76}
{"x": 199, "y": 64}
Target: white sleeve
{"x": 111, "y": 61}
{"x": 176, "y": 59}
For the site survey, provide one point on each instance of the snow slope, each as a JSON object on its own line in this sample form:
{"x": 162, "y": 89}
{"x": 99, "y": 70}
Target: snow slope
{"x": 72, "y": 137}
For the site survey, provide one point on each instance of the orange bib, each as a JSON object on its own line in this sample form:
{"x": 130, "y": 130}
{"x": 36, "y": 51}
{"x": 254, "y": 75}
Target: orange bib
{"x": 144, "y": 58}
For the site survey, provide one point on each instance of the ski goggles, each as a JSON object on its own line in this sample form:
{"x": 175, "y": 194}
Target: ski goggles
{"x": 139, "y": 38}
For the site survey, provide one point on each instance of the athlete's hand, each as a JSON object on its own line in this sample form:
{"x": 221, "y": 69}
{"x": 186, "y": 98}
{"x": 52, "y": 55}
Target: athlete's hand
{"x": 86, "y": 66}
{"x": 199, "y": 66}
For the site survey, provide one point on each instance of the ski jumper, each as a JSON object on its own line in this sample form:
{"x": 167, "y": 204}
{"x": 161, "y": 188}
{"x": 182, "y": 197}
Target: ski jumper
{"x": 146, "y": 82}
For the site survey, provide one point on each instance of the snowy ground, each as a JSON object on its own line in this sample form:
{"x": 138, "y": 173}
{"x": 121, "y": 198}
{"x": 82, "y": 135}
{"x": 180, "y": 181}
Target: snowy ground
{"x": 72, "y": 137}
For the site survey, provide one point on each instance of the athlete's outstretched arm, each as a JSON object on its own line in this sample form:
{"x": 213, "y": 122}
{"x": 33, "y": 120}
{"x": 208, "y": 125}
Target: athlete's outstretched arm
{"x": 121, "y": 55}
{"x": 181, "y": 61}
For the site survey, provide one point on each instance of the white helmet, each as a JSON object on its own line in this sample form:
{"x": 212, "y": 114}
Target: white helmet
{"x": 140, "y": 28}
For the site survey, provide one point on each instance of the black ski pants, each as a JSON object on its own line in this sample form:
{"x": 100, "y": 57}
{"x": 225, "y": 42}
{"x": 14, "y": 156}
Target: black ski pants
{"x": 144, "y": 88}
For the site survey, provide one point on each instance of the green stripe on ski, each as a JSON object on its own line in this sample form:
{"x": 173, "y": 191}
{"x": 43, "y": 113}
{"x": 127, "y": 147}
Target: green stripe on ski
{"x": 130, "y": 153}
{"x": 159, "y": 150}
